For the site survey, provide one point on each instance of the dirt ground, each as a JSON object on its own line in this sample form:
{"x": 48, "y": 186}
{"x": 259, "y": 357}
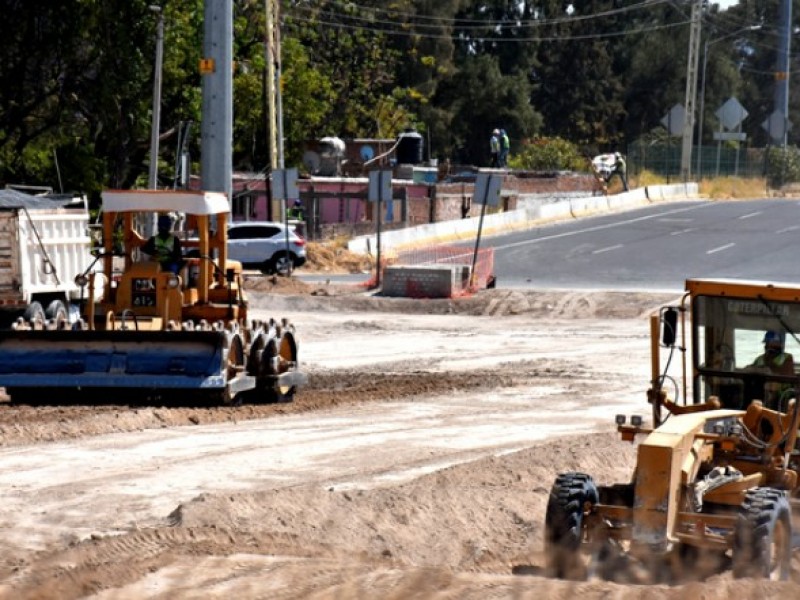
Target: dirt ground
{"x": 416, "y": 464}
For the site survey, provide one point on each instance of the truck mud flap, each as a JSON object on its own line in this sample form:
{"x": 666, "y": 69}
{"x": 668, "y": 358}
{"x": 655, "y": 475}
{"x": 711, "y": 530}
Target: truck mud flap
{"x": 113, "y": 359}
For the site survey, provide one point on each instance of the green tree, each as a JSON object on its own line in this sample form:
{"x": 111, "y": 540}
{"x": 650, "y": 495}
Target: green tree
{"x": 480, "y": 98}
{"x": 549, "y": 154}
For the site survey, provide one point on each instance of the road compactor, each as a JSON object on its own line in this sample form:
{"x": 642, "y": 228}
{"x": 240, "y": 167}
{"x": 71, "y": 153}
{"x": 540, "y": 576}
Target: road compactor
{"x": 147, "y": 332}
{"x": 715, "y": 485}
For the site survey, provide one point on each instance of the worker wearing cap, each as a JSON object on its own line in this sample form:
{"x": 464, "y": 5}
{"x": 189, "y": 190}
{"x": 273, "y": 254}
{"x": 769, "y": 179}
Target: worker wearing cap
{"x": 620, "y": 169}
{"x": 296, "y": 211}
{"x": 774, "y": 357}
{"x": 164, "y": 246}
{"x": 494, "y": 148}
{"x": 774, "y": 361}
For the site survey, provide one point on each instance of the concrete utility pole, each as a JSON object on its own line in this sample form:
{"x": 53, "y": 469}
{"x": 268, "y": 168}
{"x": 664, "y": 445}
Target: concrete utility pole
{"x": 691, "y": 90}
{"x": 216, "y": 68}
{"x": 782, "y": 67}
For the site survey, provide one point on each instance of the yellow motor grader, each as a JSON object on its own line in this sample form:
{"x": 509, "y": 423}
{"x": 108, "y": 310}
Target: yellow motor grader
{"x": 147, "y": 331}
{"x": 716, "y": 478}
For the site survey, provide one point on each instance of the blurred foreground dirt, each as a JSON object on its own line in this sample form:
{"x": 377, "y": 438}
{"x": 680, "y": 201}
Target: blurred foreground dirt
{"x": 416, "y": 463}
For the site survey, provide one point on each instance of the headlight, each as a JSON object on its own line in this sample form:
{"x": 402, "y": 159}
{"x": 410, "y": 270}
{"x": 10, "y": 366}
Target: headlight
{"x": 173, "y": 282}
{"x": 636, "y": 420}
{"x": 620, "y": 419}
{"x": 81, "y": 280}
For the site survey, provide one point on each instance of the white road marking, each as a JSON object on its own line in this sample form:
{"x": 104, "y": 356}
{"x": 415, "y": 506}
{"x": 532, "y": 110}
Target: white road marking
{"x": 599, "y": 227}
{"x": 720, "y": 248}
{"x": 752, "y": 214}
{"x": 681, "y": 231}
{"x": 787, "y": 229}
{"x": 608, "y": 249}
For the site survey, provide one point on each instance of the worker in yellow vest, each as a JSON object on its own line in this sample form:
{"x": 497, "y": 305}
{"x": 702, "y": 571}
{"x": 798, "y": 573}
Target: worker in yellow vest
{"x": 164, "y": 246}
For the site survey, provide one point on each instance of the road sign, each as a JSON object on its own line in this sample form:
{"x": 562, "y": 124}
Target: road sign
{"x": 776, "y": 125}
{"x": 487, "y": 189}
{"x": 673, "y": 120}
{"x": 730, "y": 136}
{"x": 731, "y": 114}
{"x": 284, "y": 184}
{"x": 380, "y": 186}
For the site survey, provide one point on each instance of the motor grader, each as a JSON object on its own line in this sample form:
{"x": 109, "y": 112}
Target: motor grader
{"x": 149, "y": 332}
{"x": 716, "y": 479}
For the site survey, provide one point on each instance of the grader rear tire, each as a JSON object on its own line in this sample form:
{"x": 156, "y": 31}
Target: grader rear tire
{"x": 570, "y": 496}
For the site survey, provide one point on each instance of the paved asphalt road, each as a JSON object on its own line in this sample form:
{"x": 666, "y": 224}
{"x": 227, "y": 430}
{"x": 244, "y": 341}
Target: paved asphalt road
{"x": 656, "y": 247}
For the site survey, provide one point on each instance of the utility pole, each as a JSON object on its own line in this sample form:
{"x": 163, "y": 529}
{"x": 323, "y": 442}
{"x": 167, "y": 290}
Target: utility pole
{"x": 691, "y": 90}
{"x": 155, "y": 125}
{"x": 149, "y": 225}
{"x": 269, "y": 49}
{"x": 272, "y": 47}
{"x": 216, "y": 68}
{"x": 782, "y": 67}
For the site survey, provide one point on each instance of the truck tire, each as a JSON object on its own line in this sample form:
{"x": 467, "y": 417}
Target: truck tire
{"x": 570, "y": 497}
{"x": 34, "y": 312}
{"x": 762, "y": 542}
{"x": 56, "y": 311}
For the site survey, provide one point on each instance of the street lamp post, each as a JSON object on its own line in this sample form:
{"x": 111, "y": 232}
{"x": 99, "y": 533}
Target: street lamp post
{"x": 708, "y": 43}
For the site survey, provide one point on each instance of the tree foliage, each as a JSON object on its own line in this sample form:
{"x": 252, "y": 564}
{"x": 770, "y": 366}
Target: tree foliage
{"x": 76, "y": 78}
{"x": 549, "y": 154}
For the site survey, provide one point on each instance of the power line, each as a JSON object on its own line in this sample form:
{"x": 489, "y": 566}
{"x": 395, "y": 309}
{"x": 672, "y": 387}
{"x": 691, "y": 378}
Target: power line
{"x": 494, "y": 39}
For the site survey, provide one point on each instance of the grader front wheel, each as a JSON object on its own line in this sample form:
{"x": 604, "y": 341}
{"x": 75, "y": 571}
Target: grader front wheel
{"x": 762, "y": 544}
{"x": 570, "y": 497}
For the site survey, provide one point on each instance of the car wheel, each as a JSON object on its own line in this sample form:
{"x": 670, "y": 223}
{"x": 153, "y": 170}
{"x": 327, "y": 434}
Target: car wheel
{"x": 282, "y": 264}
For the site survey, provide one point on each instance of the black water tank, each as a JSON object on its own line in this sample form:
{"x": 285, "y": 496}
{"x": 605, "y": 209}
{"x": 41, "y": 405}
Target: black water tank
{"x": 409, "y": 148}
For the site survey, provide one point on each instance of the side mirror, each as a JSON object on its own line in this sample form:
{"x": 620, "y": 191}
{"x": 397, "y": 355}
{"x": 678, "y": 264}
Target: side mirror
{"x": 669, "y": 323}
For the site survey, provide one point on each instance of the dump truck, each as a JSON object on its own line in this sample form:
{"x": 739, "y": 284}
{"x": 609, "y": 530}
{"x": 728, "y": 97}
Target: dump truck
{"x": 147, "y": 332}
{"x": 44, "y": 244}
{"x": 716, "y": 479}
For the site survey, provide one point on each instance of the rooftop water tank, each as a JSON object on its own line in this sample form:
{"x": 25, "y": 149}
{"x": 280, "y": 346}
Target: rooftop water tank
{"x": 331, "y": 152}
{"x": 409, "y": 148}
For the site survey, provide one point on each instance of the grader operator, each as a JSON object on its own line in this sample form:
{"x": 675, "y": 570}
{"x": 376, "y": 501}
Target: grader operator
{"x": 176, "y": 334}
{"x": 716, "y": 483}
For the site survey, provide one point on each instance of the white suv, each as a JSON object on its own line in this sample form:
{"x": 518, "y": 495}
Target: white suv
{"x": 263, "y": 244}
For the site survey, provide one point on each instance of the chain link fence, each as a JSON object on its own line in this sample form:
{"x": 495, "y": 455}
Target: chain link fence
{"x": 707, "y": 161}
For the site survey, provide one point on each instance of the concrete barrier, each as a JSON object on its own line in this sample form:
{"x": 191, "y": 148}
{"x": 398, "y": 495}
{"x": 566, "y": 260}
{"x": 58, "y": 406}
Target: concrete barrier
{"x": 529, "y": 215}
{"x": 425, "y": 281}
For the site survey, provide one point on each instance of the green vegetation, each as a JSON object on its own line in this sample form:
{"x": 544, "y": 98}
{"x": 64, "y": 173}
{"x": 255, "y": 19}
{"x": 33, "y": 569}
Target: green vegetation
{"x": 76, "y": 80}
{"x": 550, "y": 154}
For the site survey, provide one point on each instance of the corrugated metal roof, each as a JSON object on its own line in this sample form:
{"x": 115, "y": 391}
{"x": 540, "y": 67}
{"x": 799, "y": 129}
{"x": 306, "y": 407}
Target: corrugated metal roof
{"x": 10, "y": 199}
